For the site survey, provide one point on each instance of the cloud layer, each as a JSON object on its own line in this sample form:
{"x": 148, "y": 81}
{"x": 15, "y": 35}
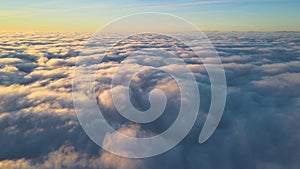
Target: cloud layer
{"x": 259, "y": 128}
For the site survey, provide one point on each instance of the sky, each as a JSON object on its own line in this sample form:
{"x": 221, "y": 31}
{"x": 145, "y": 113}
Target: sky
{"x": 90, "y": 15}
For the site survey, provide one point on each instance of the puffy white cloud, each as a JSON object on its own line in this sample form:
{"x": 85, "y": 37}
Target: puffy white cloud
{"x": 285, "y": 84}
{"x": 276, "y": 68}
{"x": 64, "y": 157}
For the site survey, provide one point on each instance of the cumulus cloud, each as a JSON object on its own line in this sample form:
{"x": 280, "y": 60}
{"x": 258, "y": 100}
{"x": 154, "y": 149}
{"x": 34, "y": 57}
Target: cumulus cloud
{"x": 284, "y": 84}
{"x": 65, "y": 157}
{"x": 259, "y": 128}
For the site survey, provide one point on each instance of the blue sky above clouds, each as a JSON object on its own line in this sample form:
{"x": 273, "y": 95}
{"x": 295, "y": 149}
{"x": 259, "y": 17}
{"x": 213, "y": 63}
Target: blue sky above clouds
{"x": 226, "y": 15}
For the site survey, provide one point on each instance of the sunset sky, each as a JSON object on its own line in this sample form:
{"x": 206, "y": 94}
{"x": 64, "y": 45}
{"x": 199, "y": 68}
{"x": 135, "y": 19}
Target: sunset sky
{"x": 227, "y": 98}
{"x": 90, "y": 15}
